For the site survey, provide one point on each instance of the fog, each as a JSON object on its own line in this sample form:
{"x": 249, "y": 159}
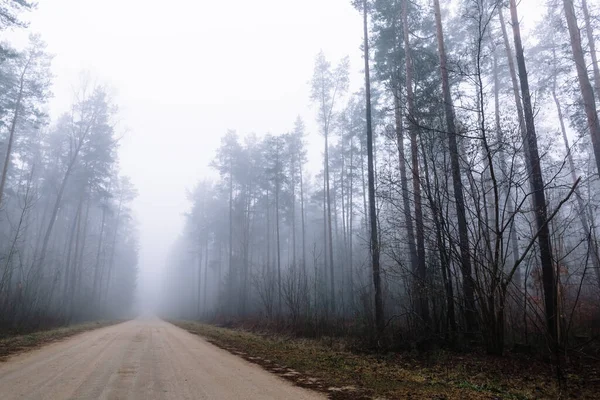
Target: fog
{"x": 182, "y": 75}
{"x": 238, "y": 161}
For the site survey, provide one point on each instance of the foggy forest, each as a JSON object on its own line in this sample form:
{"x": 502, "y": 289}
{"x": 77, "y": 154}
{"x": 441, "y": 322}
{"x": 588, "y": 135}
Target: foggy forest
{"x": 69, "y": 247}
{"x": 457, "y": 196}
{"x": 443, "y": 192}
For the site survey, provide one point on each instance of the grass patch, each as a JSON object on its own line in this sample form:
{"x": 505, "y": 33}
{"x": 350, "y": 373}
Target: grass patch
{"x": 329, "y": 367}
{"x": 13, "y": 344}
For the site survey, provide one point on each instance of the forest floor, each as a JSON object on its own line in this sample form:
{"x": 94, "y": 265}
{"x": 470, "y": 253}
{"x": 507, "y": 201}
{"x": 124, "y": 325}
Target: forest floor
{"x": 11, "y": 344}
{"x": 328, "y": 366}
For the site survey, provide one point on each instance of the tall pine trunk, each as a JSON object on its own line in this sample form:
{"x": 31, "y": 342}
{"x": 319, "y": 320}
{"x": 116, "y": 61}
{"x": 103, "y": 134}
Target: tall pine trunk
{"x": 515, "y": 87}
{"x": 537, "y": 185}
{"x": 277, "y": 190}
{"x": 293, "y": 185}
{"x": 350, "y": 216}
{"x": 230, "y": 283}
{"x": 329, "y": 228}
{"x": 199, "y": 282}
{"x": 587, "y": 93}
{"x": 303, "y": 224}
{"x": 420, "y": 273}
{"x": 408, "y": 219}
{"x": 97, "y": 274}
{"x": 589, "y": 30}
{"x": 510, "y": 205}
{"x": 465, "y": 255}
{"x": 204, "y": 291}
{"x": 111, "y": 261}
{"x": 379, "y": 316}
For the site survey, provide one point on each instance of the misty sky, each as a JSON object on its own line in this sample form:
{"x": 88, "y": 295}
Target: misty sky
{"x": 183, "y": 72}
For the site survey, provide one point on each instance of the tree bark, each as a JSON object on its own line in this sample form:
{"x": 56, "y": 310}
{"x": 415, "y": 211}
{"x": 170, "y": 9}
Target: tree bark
{"x": 293, "y": 184}
{"x": 587, "y": 93}
{"x": 592, "y": 45}
{"x": 199, "y": 282}
{"x": 75, "y": 270}
{"x": 303, "y": 223}
{"x": 111, "y": 262}
{"x": 408, "y": 219}
{"x": 329, "y": 227}
{"x": 98, "y": 252}
{"x": 277, "y": 190}
{"x": 516, "y": 88}
{"x": 537, "y": 184}
{"x": 465, "y": 255}
{"x": 419, "y": 271}
{"x": 379, "y": 316}
{"x": 204, "y": 291}
{"x": 510, "y": 206}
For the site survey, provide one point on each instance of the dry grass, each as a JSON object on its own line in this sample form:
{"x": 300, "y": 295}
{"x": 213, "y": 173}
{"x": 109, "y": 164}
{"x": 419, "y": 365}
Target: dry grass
{"x": 327, "y": 367}
{"x": 13, "y": 344}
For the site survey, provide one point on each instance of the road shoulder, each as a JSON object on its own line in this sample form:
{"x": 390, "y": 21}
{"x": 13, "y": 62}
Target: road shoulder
{"x": 11, "y": 345}
{"x": 328, "y": 367}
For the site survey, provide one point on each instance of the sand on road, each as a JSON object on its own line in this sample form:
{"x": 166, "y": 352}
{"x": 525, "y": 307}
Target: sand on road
{"x": 143, "y": 359}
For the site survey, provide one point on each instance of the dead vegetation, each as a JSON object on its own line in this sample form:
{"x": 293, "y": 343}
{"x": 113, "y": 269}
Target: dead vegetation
{"x": 14, "y": 344}
{"x": 328, "y": 366}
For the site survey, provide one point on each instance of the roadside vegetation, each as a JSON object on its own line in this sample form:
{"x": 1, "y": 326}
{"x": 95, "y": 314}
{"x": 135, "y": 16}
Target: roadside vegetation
{"x": 450, "y": 204}
{"x": 335, "y": 366}
{"x": 13, "y": 343}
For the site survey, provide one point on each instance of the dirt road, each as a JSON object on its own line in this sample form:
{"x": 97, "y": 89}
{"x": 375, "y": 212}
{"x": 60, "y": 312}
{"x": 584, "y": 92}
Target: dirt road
{"x": 145, "y": 359}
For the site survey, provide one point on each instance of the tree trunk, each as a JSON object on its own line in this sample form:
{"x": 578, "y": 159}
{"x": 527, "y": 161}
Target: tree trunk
{"x": 75, "y": 270}
{"x": 111, "y": 262}
{"x": 379, "y": 316}
{"x": 592, "y": 45}
{"x": 438, "y": 222}
{"x": 351, "y": 224}
{"x": 199, "y": 282}
{"x": 465, "y": 255}
{"x": 70, "y": 259}
{"x": 516, "y": 89}
{"x": 204, "y": 305}
{"x": 268, "y": 212}
{"x": 587, "y": 93}
{"x": 408, "y": 219}
{"x": 231, "y": 274}
{"x": 537, "y": 184}
{"x": 98, "y": 252}
{"x": 277, "y": 189}
{"x": 325, "y": 241}
{"x": 364, "y": 185}
{"x": 420, "y": 273}
{"x": 329, "y": 228}
{"x": 247, "y": 197}
{"x": 303, "y": 224}
{"x": 293, "y": 184}
{"x": 510, "y": 206}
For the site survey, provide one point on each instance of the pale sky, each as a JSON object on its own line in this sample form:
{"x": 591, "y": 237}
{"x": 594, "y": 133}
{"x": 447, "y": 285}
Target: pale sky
{"x": 183, "y": 73}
